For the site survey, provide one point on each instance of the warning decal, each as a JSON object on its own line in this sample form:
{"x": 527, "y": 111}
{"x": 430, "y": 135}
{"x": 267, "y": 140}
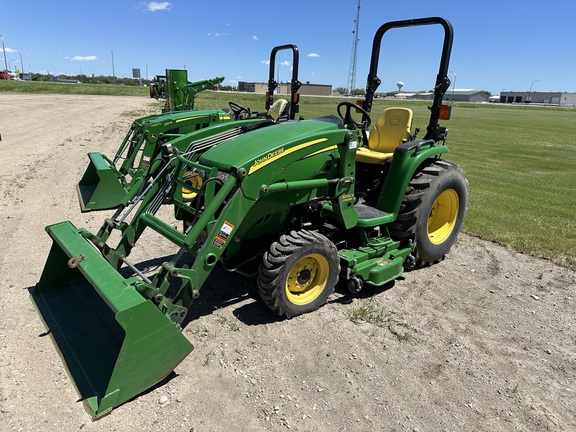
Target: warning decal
{"x": 222, "y": 236}
{"x": 145, "y": 162}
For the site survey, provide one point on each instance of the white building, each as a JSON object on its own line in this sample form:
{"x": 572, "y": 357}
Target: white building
{"x": 540, "y": 98}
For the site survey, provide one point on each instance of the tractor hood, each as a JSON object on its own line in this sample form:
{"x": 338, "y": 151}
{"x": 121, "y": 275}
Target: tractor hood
{"x": 261, "y": 147}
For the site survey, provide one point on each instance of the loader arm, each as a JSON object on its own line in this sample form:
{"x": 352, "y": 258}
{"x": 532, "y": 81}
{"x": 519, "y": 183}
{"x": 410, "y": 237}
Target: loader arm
{"x": 228, "y": 209}
{"x": 196, "y": 87}
{"x": 181, "y": 94}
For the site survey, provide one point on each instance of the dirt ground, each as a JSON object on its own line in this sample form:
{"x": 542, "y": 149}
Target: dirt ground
{"x": 483, "y": 341}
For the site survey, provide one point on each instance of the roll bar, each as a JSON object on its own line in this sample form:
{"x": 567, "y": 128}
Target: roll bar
{"x": 442, "y": 80}
{"x": 294, "y": 83}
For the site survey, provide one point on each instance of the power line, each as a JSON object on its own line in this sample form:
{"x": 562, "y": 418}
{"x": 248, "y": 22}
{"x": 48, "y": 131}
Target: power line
{"x": 354, "y": 56}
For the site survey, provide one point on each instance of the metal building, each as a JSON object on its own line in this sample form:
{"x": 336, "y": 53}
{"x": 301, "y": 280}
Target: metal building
{"x": 284, "y": 88}
{"x": 540, "y": 98}
{"x": 467, "y": 95}
{"x": 458, "y": 95}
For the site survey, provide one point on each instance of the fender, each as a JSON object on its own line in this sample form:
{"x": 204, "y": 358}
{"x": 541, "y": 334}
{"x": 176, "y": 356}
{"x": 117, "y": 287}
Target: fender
{"x": 408, "y": 157}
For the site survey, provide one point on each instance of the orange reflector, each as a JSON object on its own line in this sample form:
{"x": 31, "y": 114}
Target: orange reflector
{"x": 445, "y": 112}
{"x": 360, "y": 103}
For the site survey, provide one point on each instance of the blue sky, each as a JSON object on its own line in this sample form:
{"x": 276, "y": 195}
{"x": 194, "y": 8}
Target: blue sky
{"x": 498, "y": 45}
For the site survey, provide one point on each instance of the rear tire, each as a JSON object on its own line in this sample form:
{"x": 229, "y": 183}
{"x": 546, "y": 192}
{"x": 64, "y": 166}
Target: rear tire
{"x": 298, "y": 273}
{"x": 432, "y": 211}
{"x": 154, "y": 91}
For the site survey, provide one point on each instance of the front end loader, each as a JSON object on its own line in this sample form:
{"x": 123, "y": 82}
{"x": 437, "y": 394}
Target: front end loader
{"x": 181, "y": 94}
{"x": 299, "y": 205}
{"x": 106, "y": 182}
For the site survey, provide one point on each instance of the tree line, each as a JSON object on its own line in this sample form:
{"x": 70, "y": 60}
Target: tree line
{"x": 85, "y": 79}
{"x": 99, "y": 79}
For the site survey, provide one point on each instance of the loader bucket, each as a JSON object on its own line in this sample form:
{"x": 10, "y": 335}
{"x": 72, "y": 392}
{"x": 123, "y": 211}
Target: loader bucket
{"x": 101, "y": 186}
{"x": 114, "y": 343}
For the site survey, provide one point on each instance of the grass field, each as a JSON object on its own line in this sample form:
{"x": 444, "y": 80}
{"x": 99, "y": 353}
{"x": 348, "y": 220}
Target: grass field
{"x": 61, "y": 88}
{"x": 520, "y": 161}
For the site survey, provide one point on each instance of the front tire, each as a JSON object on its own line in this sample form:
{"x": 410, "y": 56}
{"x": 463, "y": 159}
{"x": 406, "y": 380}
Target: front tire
{"x": 432, "y": 211}
{"x": 298, "y": 273}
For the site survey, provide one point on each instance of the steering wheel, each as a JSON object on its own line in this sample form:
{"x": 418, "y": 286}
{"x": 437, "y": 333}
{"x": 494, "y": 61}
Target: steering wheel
{"x": 239, "y": 112}
{"x": 347, "y": 117}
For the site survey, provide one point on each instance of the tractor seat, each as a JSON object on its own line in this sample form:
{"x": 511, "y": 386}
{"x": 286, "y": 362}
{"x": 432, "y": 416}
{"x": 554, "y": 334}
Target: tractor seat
{"x": 391, "y": 130}
{"x": 278, "y": 109}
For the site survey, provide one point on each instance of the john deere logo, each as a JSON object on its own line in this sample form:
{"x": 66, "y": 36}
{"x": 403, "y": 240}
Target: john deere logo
{"x": 347, "y": 197}
{"x": 268, "y": 157}
{"x": 272, "y": 156}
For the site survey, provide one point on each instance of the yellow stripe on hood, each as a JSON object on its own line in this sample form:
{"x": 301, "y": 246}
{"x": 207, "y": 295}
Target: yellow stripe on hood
{"x": 271, "y": 157}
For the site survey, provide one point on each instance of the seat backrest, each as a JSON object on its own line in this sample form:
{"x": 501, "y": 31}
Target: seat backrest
{"x": 391, "y": 130}
{"x": 278, "y": 109}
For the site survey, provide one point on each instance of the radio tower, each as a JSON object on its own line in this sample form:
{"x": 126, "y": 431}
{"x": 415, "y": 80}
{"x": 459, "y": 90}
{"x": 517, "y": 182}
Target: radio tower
{"x": 353, "y": 57}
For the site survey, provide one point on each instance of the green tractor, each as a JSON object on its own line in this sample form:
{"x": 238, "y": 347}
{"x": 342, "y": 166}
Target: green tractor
{"x": 302, "y": 204}
{"x": 158, "y": 87}
{"x": 106, "y": 182}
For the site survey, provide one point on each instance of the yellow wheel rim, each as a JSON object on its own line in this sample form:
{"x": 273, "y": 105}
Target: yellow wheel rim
{"x": 443, "y": 216}
{"x": 307, "y": 279}
{"x": 193, "y": 179}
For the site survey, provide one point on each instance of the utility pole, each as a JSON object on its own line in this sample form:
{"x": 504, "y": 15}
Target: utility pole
{"x": 21, "y": 64}
{"x": 113, "y": 76}
{"x": 354, "y": 56}
{"x": 4, "y": 49}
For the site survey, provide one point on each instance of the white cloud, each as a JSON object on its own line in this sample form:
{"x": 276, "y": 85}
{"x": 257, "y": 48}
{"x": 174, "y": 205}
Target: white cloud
{"x": 218, "y": 34}
{"x": 10, "y": 50}
{"x": 267, "y": 62}
{"x": 254, "y": 37}
{"x": 313, "y": 55}
{"x": 157, "y": 6}
{"x": 82, "y": 58}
